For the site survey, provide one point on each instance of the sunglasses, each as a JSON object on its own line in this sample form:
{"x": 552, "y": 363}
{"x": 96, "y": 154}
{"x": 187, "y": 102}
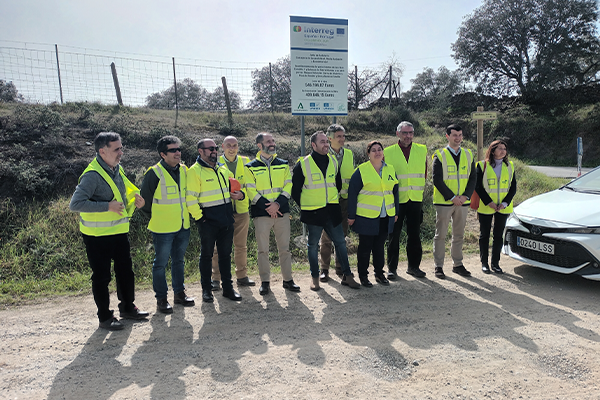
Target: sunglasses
{"x": 178, "y": 149}
{"x": 211, "y": 148}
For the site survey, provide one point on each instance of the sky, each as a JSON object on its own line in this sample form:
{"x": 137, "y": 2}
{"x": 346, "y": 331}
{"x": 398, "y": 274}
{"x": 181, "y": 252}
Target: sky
{"x": 418, "y": 34}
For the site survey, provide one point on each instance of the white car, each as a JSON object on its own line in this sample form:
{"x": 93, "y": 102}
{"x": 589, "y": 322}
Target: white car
{"x": 559, "y": 230}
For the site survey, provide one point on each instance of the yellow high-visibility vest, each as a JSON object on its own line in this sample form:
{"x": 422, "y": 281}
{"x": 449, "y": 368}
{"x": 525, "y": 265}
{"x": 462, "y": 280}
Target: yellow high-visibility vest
{"x": 206, "y": 187}
{"x": 411, "y": 174}
{"x": 240, "y": 206}
{"x": 375, "y": 190}
{"x": 346, "y": 171}
{"x": 496, "y": 190}
{"x": 109, "y": 223}
{"x": 169, "y": 210}
{"x": 268, "y": 182}
{"x": 455, "y": 176}
{"x": 318, "y": 190}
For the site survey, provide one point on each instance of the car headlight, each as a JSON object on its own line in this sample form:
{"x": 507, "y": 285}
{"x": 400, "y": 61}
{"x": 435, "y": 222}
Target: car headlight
{"x": 584, "y": 230}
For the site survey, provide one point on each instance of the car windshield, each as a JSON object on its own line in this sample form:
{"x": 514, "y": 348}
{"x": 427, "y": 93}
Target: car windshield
{"x": 589, "y": 182}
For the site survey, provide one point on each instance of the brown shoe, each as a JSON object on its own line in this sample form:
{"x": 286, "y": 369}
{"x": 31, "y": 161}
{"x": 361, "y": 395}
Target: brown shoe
{"x": 315, "y": 284}
{"x": 324, "y": 277}
{"x": 348, "y": 280}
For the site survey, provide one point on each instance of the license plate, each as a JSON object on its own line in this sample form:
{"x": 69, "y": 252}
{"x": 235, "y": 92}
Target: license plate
{"x": 535, "y": 245}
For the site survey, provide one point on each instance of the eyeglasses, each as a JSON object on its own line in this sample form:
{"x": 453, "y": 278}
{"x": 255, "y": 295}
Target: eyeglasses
{"x": 211, "y": 148}
{"x": 178, "y": 149}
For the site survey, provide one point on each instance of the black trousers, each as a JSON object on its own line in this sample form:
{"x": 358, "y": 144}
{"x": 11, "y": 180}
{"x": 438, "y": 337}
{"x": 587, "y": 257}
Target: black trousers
{"x": 375, "y": 244}
{"x": 485, "y": 226}
{"x": 223, "y": 237}
{"x": 412, "y": 212}
{"x": 101, "y": 251}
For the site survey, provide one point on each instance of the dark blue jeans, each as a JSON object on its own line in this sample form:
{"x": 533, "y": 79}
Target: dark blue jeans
{"x": 336, "y": 233}
{"x": 169, "y": 245}
{"x": 223, "y": 237}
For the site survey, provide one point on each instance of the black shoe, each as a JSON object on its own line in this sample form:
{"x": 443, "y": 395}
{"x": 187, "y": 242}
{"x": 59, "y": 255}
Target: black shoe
{"x": 163, "y": 306}
{"x": 112, "y": 324}
{"x": 392, "y": 275}
{"x": 365, "y": 282}
{"x": 135, "y": 313}
{"x": 207, "y": 296}
{"x": 416, "y": 272}
{"x": 291, "y": 286}
{"x": 382, "y": 280}
{"x": 339, "y": 272}
{"x": 324, "y": 277}
{"x": 439, "y": 273}
{"x": 496, "y": 268}
{"x": 215, "y": 285}
{"x": 246, "y": 282}
{"x": 264, "y": 288}
{"x": 486, "y": 269}
{"x": 232, "y": 295}
{"x": 181, "y": 298}
{"x": 461, "y": 270}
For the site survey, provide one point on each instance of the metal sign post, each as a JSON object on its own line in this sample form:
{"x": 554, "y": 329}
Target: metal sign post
{"x": 579, "y": 155}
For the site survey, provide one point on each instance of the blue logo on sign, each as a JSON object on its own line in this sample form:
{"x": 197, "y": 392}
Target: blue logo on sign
{"x": 312, "y": 104}
{"x": 340, "y": 31}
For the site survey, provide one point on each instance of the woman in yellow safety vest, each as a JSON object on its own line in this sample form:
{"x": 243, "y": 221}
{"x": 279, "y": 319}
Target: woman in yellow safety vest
{"x": 372, "y": 211}
{"x": 496, "y": 186}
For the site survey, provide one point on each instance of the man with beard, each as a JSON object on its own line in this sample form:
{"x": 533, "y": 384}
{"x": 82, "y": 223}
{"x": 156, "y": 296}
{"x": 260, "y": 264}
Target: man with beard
{"x": 269, "y": 187}
{"x": 209, "y": 202}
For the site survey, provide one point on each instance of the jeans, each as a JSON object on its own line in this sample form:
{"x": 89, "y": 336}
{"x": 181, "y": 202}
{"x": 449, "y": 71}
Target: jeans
{"x": 375, "y": 244}
{"x": 169, "y": 245}
{"x": 101, "y": 251}
{"x": 223, "y": 237}
{"x": 327, "y": 245}
{"x": 412, "y": 211}
{"x": 336, "y": 233}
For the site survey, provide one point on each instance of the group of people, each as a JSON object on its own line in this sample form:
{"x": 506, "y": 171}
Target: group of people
{"x": 221, "y": 194}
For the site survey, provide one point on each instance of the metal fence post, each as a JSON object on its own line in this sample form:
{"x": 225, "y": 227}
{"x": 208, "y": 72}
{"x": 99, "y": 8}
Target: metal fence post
{"x": 175, "y": 86}
{"x": 113, "y": 69}
{"x": 58, "y": 68}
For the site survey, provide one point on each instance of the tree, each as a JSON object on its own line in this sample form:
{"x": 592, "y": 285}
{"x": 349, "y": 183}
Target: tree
{"x": 530, "y": 46}
{"x": 280, "y": 78}
{"x": 9, "y": 92}
{"x": 215, "y": 101}
{"x": 192, "y": 96}
{"x": 369, "y": 85}
{"x": 435, "y": 89}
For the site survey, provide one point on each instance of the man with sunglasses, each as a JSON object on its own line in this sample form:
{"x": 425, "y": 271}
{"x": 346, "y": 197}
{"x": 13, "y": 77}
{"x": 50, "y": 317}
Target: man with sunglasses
{"x": 163, "y": 190}
{"x": 105, "y": 200}
{"x": 209, "y": 201}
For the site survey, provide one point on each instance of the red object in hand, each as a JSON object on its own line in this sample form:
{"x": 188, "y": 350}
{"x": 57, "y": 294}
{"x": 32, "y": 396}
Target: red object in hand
{"x": 234, "y": 185}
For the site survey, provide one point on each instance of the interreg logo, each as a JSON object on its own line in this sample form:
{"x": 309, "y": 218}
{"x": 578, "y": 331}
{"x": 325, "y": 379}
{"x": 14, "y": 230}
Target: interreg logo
{"x": 325, "y": 31}
{"x": 297, "y": 28}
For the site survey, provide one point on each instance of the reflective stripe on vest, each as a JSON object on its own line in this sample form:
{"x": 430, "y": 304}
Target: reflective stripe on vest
{"x": 268, "y": 182}
{"x": 169, "y": 209}
{"x": 318, "y": 190}
{"x": 346, "y": 171}
{"x": 495, "y": 191}
{"x": 108, "y": 222}
{"x": 214, "y": 186}
{"x": 375, "y": 190}
{"x": 455, "y": 177}
{"x": 411, "y": 174}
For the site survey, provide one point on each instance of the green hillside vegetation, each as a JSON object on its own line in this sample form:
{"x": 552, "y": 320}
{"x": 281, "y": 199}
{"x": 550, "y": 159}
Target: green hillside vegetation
{"x": 46, "y": 148}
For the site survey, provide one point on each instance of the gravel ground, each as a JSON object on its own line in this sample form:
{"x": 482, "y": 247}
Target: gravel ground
{"x": 528, "y": 334}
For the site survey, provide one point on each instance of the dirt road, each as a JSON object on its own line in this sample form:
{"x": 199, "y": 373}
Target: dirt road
{"x": 528, "y": 334}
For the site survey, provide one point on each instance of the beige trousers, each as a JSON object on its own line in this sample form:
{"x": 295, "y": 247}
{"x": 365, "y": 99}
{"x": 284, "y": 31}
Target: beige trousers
{"x": 458, "y": 216}
{"x": 281, "y": 228}
{"x": 240, "y": 248}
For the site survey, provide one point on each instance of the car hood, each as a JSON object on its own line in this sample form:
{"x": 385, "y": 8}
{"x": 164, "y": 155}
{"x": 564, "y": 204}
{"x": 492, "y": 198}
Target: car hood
{"x": 561, "y": 209}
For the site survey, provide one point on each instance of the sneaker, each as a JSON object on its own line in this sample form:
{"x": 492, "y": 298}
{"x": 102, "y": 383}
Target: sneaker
{"x": 324, "y": 277}
{"x": 163, "y": 306}
{"x": 439, "y": 273}
{"x": 461, "y": 270}
{"x": 112, "y": 324}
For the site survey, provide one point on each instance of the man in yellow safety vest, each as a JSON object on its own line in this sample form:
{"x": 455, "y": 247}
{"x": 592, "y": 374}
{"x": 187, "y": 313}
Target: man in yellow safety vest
{"x": 163, "y": 190}
{"x": 454, "y": 180}
{"x": 106, "y": 199}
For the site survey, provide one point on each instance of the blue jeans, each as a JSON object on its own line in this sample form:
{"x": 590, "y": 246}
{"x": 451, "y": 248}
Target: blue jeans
{"x": 169, "y": 245}
{"x": 336, "y": 233}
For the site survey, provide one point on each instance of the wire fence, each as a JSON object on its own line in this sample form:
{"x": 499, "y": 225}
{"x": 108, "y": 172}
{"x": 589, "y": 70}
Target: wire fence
{"x": 46, "y": 73}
